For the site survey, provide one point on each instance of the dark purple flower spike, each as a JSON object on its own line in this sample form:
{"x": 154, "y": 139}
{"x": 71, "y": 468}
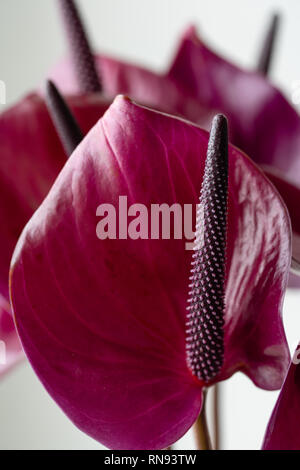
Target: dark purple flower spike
{"x": 205, "y": 320}
{"x": 267, "y": 52}
{"x": 81, "y": 52}
{"x": 66, "y": 125}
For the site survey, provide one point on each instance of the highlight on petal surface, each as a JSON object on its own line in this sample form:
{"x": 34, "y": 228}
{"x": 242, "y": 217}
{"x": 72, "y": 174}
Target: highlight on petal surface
{"x": 103, "y": 321}
{"x": 31, "y": 158}
{"x": 283, "y": 429}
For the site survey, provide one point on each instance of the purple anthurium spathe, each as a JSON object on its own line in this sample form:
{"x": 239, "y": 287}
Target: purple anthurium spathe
{"x": 103, "y": 321}
{"x": 31, "y": 158}
{"x": 283, "y": 429}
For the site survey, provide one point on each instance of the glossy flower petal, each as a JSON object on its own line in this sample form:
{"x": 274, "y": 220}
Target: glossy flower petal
{"x": 31, "y": 158}
{"x": 283, "y": 429}
{"x": 103, "y": 321}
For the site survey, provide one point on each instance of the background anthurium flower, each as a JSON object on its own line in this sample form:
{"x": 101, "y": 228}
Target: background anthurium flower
{"x": 31, "y": 158}
{"x": 103, "y": 321}
{"x": 283, "y": 429}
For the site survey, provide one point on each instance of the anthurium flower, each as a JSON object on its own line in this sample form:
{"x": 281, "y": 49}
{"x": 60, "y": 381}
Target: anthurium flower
{"x": 31, "y": 158}
{"x": 283, "y": 429}
{"x": 103, "y": 321}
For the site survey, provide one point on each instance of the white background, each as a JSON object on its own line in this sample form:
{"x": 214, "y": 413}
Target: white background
{"x": 145, "y": 31}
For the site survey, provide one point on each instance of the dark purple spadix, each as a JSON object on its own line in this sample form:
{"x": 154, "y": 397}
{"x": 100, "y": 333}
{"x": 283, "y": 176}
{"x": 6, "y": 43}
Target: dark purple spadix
{"x": 81, "y": 52}
{"x": 63, "y": 119}
{"x": 205, "y": 318}
{"x": 267, "y": 51}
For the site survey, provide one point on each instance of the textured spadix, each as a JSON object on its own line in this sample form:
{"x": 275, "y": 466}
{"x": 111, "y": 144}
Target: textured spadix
{"x": 205, "y": 319}
{"x": 80, "y": 50}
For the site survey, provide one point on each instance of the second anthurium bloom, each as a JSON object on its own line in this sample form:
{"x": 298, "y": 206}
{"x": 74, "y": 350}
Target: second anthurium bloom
{"x": 104, "y": 323}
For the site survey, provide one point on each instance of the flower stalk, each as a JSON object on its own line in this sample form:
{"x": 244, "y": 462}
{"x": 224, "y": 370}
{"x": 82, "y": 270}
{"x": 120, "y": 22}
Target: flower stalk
{"x": 216, "y": 416}
{"x": 202, "y": 436}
